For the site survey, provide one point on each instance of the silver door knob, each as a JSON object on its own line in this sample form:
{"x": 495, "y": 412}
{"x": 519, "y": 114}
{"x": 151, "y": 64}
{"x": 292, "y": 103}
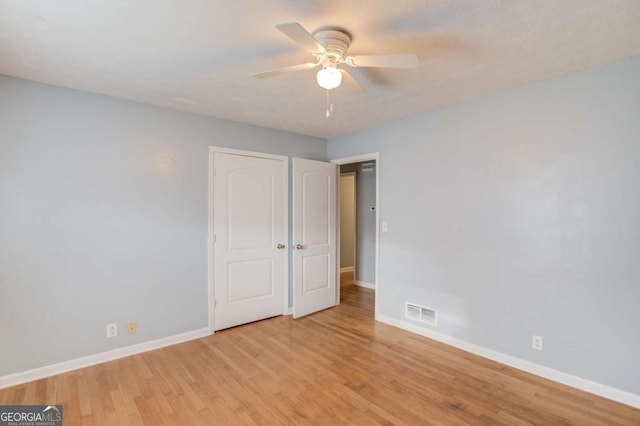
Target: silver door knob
{"x": 280, "y": 246}
{"x": 298, "y": 246}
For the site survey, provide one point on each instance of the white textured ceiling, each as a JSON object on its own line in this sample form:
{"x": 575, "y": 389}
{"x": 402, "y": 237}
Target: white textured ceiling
{"x": 199, "y": 55}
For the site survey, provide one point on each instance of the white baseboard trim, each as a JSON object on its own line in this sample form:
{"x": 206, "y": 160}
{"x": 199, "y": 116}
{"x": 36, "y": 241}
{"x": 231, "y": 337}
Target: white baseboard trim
{"x": 365, "y": 284}
{"x": 599, "y": 389}
{"x": 346, "y": 269}
{"x": 87, "y": 361}
{"x": 289, "y": 311}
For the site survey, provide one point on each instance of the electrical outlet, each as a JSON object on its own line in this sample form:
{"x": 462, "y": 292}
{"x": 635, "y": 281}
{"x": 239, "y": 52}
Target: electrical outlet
{"x": 112, "y": 330}
{"x": 536, "y": 342}
{"x": 131, "y": 327}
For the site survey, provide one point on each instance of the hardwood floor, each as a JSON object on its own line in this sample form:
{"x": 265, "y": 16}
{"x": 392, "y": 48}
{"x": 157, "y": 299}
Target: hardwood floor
{"x": 335, "y": 367}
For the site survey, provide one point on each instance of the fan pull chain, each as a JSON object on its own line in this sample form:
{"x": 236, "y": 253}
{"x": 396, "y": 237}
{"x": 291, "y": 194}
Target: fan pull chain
{"x": 329, "y": 105}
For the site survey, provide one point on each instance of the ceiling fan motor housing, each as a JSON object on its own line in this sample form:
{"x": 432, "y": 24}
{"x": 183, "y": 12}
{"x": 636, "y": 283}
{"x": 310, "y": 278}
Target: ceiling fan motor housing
{"x": 336, "y": 43}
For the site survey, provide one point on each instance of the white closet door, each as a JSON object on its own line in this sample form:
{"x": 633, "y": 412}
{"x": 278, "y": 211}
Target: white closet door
{"x": 249, "y": 233}
{"x": 314, "y": 236}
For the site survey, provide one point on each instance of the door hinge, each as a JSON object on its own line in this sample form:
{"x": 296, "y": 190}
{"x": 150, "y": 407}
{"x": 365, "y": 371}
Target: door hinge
{"x": 215, "y": 238}
{"x": 214, "y": 172}
{"x": 215, "y": 303}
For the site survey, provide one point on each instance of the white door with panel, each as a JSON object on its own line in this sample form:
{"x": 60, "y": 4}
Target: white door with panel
{"x": 314, "y": 236}
{"x": 250, "y": 230}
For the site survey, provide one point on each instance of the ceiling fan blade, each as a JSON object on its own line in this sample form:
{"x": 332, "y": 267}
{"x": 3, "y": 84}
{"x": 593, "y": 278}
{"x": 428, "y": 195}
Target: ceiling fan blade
{"x": 357, "y": 87}
{"x": 384, "y": 61}
{"x": 295, "y": 32}
{"x": 283, "y": 70}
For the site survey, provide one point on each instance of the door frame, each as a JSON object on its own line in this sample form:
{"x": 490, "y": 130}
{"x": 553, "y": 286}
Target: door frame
{"x": 373, "y": 156}
{"x": 210, "y": 240}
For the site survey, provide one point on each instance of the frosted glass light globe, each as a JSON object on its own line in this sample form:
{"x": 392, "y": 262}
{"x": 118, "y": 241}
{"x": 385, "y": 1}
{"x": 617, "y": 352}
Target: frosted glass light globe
{"x": 329, "y": 78}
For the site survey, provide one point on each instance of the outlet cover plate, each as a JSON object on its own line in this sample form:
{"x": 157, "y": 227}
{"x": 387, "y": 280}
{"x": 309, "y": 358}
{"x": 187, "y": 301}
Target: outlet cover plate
{"x": 536, "y": 342}
{"x": 112, "y": 330}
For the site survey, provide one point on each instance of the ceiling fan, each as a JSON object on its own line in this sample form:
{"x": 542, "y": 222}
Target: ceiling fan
{"x": 330, "y": 47}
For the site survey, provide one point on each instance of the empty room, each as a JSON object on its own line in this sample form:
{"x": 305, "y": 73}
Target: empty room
{"x": 319, "y": 212}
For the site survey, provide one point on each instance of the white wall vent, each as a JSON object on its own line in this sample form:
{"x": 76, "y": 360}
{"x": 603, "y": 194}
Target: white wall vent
{"x": 412, "y": 311}
{"x": 421, "y": 313}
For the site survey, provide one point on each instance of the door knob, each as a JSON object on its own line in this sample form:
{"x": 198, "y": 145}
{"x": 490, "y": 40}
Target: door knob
{"x": 299, "y": 246}
{"x": 281, "y": 246}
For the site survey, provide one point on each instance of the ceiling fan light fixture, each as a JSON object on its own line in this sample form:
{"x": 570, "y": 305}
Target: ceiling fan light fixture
{"x": 329, "y": 78}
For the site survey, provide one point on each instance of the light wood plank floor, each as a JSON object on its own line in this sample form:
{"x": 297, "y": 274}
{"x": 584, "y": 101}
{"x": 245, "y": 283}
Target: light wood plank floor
{"x": 335, "y": 367}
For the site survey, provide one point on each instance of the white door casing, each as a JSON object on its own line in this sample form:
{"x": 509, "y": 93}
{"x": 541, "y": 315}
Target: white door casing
{"x": 374, "y": 156}
{"x": 314, "y": 236}
{"x": 250, "y": 237}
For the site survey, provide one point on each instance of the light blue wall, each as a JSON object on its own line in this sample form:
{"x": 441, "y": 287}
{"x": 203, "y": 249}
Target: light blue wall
{"x": 519, "y": 214}
{"x": 95, "y": 227}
